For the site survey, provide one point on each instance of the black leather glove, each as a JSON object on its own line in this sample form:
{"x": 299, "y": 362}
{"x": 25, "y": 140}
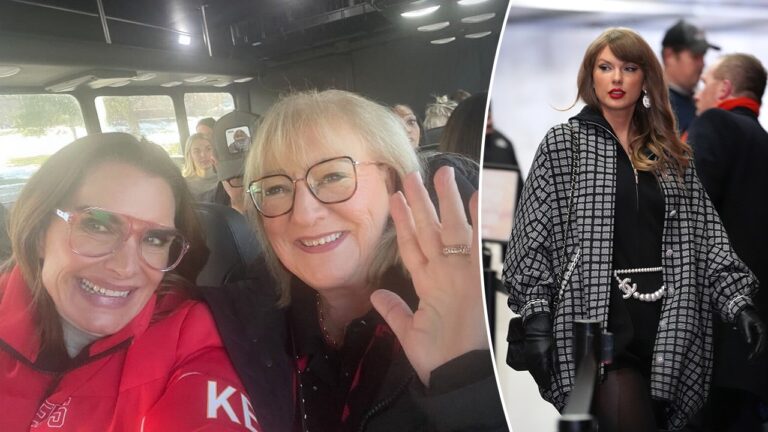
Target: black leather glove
{"x": 753, "y": 330}
{"x": 538, "y": 348}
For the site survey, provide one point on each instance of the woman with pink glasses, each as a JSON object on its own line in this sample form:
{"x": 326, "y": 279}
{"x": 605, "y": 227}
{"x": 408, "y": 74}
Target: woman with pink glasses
{"x": 97, "y": 328}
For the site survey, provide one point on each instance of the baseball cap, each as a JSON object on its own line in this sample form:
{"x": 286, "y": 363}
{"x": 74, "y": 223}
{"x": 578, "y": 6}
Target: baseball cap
{"x": 687, "y": 36}
{"x": 232, "y": 136}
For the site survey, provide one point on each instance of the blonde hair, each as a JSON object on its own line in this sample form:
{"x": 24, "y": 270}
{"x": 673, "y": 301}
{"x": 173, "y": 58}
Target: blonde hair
{"x": 438, "y": 112}
{"x": 190, "y": 167}
{"x": 280, "y": 138}
{"x": 655, "y": 126}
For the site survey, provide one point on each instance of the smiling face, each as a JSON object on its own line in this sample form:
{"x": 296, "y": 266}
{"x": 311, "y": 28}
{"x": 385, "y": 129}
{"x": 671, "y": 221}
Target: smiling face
{"x": 125, "y": 283}
{"x": 618, "y": 84}
{"x": 330, "y": 246}
{"x": 202, "y": 153}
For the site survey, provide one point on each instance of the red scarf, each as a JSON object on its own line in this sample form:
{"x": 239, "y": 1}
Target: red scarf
{"x": 744, "y": 102}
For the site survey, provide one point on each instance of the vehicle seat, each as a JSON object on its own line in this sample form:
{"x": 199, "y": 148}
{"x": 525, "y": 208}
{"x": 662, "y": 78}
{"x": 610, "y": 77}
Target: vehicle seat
{"x": 232, "y": 243}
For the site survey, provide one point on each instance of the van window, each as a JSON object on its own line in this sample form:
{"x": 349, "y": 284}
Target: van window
{"x": 202, "y": 105}
{"x": 150, "y": 117}
{"x": 33, "y": 127}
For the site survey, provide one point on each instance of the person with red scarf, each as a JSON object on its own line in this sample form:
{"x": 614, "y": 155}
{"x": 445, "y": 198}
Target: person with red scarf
{"x": 730, "y": 150}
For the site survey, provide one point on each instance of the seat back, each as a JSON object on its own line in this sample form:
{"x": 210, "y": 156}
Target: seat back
{"x": 232, "y": 243}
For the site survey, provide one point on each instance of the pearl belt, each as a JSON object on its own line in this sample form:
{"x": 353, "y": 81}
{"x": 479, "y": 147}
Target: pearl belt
{"x": 630, "y": 289}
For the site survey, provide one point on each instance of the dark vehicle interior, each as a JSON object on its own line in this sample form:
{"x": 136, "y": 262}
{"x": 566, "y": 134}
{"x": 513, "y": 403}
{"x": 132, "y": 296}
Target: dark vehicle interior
{"x": 154, "y": 68}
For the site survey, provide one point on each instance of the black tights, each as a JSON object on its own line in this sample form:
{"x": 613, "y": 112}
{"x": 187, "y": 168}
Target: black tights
{"x": 622, "y": 402}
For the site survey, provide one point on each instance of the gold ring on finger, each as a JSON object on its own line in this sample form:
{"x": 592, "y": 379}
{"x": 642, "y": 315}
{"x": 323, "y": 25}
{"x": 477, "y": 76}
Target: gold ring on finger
{"x": 457, "y": 249}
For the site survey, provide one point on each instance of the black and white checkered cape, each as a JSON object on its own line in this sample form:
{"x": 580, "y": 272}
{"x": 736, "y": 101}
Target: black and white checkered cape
{"x": 700, "y": 270}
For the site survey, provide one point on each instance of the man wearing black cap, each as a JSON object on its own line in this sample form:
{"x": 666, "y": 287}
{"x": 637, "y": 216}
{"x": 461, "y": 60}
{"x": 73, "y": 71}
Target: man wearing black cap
{"x": 683, "y": 50}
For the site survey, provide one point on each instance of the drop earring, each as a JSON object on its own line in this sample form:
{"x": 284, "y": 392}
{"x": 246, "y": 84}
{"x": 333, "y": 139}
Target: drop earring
{"x": 646, "y": 100}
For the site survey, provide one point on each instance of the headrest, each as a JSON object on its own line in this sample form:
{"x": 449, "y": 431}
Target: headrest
{"x": 232, "y": 136}
{"x": 232, "y": 243}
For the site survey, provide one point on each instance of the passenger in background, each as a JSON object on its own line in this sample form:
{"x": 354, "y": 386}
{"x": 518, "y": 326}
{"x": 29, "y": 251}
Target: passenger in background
{"x": 412, "y": 126}
{"x": 731, "y": 152}
{"x": 683, "y": 49}
{"x": 614, "y": 226}
{"x": 230, "y": 168}
{"x": 97, "y": 327}
{"x": 205, "y": 126}
{"x": 435, "y": 118}
{"x": 199, "y": 162}
{"x": 340, "y": 206}
{"x": 463, "y": 133}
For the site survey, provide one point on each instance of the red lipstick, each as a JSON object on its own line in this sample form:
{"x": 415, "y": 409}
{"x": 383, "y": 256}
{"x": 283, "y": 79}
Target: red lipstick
{"x": 616, "y": 93}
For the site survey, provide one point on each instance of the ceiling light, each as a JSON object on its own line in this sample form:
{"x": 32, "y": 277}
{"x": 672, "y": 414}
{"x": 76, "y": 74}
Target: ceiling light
{"x": 420, "y": 12}
{"x": 172, "y": 84}
{"x": 120, "y": 84}
{"x": 433, "y": 27}
{"x": 196, "y": 79}
{"x": 185, "y": 39}
{"x": 257, "y": 43}
{"x": 442, "y": 41}
{"x": 7, "y": 71}
{"x": 146, "y": 76}
{"x": 477, "y": 35}
{"x": 478, "y": 18}
{"x": 243, "y": 80}
{"x": 471, "y": 2}
{"x": 222, "y": 84}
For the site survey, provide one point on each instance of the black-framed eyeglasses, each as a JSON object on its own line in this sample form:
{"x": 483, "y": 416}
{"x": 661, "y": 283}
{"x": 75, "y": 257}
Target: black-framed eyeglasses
{"x": 95, "y": 232}
{"x": 235, "y": 182}
{"x": 331, "y": 181}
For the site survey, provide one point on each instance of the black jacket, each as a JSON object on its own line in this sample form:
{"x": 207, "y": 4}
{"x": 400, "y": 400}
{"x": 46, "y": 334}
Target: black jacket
{"x": 462, "y": 397}
{"x": 731, "y": 153}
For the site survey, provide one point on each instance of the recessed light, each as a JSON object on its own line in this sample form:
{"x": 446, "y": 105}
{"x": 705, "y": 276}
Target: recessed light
{"x": 433, "y": 27}
{"x": 442, "y": 41}
{"x": 120, "y": 84}
{"x": 172, "y": 84}
{"x": 243, "y": 80}
{"x": 222, "y": 84}
{"x": 7, "y": 71}
{"x": 478, "y": 18}
{"x": 471, "y": 2}
{"x": 144, "y": 76}
{"x": 196, "y": 79}
{"x": 477, "y": 35}
{"x": 185, "y": 39}
{"x": 420, "y": 12}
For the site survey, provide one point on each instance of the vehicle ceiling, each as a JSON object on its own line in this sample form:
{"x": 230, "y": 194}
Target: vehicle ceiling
{"x": 55, "y": 40}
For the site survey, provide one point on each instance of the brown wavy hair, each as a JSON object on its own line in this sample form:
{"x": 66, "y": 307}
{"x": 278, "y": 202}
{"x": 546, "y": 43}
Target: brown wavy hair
{"x": 652, "y": 128}
{"x": 53, "y": 185}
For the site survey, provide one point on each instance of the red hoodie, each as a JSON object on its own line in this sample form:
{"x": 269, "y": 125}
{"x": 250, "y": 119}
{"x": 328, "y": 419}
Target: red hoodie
{"x": 170, "y": 374}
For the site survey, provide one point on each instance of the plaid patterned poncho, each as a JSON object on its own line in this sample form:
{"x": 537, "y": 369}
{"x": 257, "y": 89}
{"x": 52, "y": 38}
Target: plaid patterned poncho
{"x": 700, "y": 270}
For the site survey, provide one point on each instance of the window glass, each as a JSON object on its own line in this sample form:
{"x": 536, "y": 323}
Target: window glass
{"x": 150, "y": 117}
{"x": 202, "y": 105}
{"x": 33, "y": 127}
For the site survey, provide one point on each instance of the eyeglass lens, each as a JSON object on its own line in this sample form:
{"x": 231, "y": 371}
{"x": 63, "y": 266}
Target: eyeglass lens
{"x": 330, "y": 182}
{"x": 97, "y": 233}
